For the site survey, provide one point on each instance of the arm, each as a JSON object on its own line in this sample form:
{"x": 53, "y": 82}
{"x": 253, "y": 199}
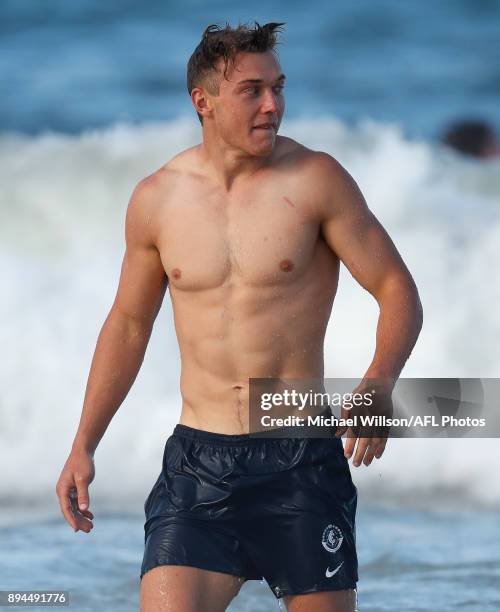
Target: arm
{"x": 361, "y": 243}
{"x": 120, "y": 349}
{"x": 123, "y": 339}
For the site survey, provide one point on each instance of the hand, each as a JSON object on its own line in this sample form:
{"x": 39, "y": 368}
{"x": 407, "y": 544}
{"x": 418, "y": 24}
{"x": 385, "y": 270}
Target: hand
{"x": 73, "y": 490}
{"x": 371, "y": 439}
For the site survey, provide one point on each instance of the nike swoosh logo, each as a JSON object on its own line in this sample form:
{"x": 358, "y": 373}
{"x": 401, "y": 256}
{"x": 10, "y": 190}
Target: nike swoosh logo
{"x": 329, "y": 573}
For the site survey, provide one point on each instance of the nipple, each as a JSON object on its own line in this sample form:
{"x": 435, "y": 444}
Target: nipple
{"x": 286, "y": 265}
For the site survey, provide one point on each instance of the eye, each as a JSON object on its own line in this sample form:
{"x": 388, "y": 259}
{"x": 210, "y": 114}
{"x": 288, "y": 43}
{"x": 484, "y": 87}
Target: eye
{"x": 279, "y": 88}
{"x": 251, "y": 90}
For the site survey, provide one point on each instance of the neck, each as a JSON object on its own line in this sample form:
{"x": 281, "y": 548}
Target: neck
{"x": 227, "y": 164}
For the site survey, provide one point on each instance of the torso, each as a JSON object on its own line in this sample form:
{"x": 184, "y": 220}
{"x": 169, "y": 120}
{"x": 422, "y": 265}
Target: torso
{"x": 251, "y": 280}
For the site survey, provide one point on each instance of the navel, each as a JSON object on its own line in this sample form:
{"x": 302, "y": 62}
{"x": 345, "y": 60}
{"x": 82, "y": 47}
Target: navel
{"x": 286, "y": 265}
{"x": 176, "y": 273}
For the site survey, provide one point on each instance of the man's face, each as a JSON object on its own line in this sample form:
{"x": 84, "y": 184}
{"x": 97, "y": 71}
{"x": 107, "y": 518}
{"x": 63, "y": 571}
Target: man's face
{"x": 250, "y": 105}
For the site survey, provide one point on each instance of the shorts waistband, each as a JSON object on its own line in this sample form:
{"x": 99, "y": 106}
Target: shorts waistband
{"x": 211, "y": 437}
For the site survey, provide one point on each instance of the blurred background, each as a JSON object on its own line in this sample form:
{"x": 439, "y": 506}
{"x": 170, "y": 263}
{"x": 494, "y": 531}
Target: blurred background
{"x": 93, "y": 98}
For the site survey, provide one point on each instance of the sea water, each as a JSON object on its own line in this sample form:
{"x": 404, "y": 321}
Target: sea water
{"x": 414, "y": 560}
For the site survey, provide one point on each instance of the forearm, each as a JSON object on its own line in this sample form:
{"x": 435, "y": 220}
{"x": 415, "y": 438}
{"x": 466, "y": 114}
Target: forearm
{"x": 118, "y": 356}
{"x": 399, "y": 324}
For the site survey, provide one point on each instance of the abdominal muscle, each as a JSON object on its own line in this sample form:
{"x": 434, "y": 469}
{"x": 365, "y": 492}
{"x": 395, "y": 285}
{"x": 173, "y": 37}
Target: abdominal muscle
{"x": 235, "y": 332}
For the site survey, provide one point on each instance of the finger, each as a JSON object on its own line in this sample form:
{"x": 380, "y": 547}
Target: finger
{"x": 86, "y": 513}
{"x": 381, "y": 448}
{"x": 82, "y": 488}
{"x": 349, "y": 443}
{"x": 370, "y": 451}
{"x": 360, "y": 451}
{"x": 375, "y": 448}
{"x": 83, "y": 521}
{"x": 84, "y": 524}
{"x": 74, "y": 505}
{"x": 65, "y": 504}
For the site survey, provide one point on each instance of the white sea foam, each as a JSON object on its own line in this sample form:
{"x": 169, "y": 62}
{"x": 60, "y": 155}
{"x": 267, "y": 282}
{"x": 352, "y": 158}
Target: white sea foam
{"x": 62, "y": 207}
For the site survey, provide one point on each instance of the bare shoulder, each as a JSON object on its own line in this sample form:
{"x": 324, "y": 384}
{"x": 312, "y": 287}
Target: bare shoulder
{"x": 184, "y": 162}
{"x": 151, "y": 195}
{"x": 319, "y": 165}
{"x": 289, "y": 151}
{"x": 139, "y": 221}
{"x": 329, "y": 185}
{"x": 155, "y": 183}
{"x": 335, "y": 190}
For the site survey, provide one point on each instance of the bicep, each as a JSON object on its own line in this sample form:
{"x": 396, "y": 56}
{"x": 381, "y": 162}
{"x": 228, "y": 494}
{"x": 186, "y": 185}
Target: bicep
{"x": 143, "y": 281}
{"x": 352, "y": 231}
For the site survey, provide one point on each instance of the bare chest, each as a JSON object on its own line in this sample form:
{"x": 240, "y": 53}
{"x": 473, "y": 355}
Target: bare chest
{"x": 262, "y": 237}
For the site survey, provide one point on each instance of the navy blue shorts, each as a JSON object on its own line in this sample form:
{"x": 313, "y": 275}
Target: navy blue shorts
{"x": 282, "y": 509}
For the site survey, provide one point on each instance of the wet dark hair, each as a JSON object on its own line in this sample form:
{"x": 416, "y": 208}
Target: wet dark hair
{"x": 469, "y": 136}
{"x": 224, "y": 43}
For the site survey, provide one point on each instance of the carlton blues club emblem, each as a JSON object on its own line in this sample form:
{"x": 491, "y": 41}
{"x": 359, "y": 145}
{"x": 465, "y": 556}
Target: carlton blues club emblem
{"x": 332, "y": 538}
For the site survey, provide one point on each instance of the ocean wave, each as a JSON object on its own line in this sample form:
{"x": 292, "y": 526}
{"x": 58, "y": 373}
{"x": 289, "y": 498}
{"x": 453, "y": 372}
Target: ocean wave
{"x": 62, "y": 207}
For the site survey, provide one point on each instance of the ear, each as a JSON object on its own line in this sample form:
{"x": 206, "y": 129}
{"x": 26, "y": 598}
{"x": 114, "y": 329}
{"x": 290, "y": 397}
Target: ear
{"x": 201, "y": 102}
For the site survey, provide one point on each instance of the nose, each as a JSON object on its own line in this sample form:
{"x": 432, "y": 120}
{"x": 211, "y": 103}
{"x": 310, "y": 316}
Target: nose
{"x": 269, "y": 102}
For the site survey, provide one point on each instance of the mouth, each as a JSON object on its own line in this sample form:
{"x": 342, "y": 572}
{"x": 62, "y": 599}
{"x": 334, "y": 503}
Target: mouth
{"x": 266, "y": 126}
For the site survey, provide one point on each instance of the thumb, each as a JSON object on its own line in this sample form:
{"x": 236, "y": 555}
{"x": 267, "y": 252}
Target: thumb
{"x": 83, "y": 493}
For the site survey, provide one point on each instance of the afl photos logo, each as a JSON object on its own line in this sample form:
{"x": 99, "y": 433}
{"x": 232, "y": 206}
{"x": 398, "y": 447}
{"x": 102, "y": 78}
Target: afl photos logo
{"x": 332, "y": 538}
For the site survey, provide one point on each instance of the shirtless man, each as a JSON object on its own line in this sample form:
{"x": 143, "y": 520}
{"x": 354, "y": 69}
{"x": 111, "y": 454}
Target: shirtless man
{"x": 247, "y": 231}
